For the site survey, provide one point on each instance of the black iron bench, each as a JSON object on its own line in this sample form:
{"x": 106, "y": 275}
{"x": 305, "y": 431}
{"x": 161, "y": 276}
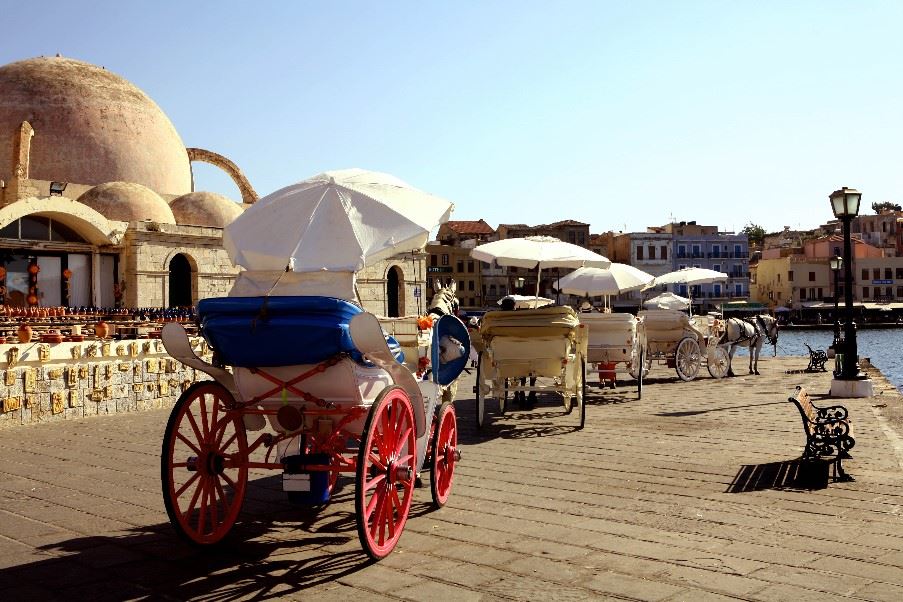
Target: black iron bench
{"x": 817, "y": 360}
{"x": 828, "y": 432}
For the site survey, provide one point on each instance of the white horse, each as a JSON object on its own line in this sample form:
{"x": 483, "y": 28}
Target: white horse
{"x": 444, "y": 301}
{"x": 751, "y": 333}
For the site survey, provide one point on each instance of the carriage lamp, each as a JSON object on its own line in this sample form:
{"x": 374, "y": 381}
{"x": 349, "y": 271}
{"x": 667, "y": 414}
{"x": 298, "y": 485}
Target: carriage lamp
{"x": 845, "y": 204}
{"x": 836, "y": 264}
{"x": 519, "y": 283}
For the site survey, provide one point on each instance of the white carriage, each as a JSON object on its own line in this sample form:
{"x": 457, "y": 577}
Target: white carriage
{"x": 616, "y": 344}
{"x": 547, "y": 342}
{"x": 304, "y": 381}
{"x": 684, "y": 343}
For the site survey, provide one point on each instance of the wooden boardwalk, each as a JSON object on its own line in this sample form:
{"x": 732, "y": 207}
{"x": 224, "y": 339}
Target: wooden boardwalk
{"x": 692, "y": 493}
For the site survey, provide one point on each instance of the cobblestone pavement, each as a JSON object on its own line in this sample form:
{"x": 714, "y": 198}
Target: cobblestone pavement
{"x": 691, "y": 493}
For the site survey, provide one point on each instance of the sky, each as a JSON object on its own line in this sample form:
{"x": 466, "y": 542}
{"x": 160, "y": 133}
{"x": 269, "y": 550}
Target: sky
{"x": 619, "y": 114}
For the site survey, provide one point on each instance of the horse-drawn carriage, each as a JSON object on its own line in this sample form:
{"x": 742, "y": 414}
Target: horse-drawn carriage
{"x": 616, "y": 340}
{"x": 315, "y": 380}
{"x": 304, "y": 381}
{"x": 546, "y": 342}
{"x": 677, "y": 340}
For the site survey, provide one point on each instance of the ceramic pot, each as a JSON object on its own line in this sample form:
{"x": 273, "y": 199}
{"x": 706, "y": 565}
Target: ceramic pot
{"x": 52, "y": 336}
{"x": 101, "y": 329}
{"x": 24, "y": 333}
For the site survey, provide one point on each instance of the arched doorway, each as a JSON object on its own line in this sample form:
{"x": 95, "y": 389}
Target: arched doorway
{"x": 179, "y": 282}
{"x": 394, "y": 293}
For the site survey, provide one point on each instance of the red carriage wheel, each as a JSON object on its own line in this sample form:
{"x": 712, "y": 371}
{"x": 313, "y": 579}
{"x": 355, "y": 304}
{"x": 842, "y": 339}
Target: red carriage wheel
{"x": 445, "y": 455}
{"x": 385, "y": 472}
{"x": 204, "y": 463}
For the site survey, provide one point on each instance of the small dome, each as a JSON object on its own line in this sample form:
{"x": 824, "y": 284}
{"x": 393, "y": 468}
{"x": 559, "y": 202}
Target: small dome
{"x": 205, "y": 209}
{"x": 127, "y": 202}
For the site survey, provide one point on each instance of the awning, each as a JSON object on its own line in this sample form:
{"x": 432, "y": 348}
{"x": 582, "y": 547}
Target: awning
{"x": 883, "y": 306}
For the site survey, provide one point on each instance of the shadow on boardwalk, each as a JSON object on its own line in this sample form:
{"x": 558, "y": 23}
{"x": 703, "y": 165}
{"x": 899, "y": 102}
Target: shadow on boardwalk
{"x": 791, "y": 474}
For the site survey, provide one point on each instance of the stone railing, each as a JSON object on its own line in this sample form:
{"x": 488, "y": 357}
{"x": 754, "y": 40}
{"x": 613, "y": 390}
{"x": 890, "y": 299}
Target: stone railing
{"x": 44, "y": 382}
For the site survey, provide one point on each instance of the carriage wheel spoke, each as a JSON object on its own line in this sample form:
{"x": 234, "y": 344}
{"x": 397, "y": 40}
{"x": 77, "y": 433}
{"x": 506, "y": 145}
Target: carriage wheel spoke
{"x": 229, "y": 480}
{"x": 202, "y": 511}
{"x": 194, "y": 499}
{"x": 214, "y": 513}
{"x": 374, "y": 482}
{"x": 188, "y": 443}
{"x": 377, "y": 462}
{"x": 187, "y": 484}
{"x": 194, "y": 426}
{"x": 380, "y": 498}
{"x": 204, "y": 424}
{"x": 400, "y": 443}
{"x": 226, "y": 445}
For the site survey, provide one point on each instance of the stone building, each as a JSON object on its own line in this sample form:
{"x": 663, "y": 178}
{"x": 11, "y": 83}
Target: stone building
{"x": 449, "y": 259}
{"x": 97, "y": 192}
{"x": 522, "y": 280}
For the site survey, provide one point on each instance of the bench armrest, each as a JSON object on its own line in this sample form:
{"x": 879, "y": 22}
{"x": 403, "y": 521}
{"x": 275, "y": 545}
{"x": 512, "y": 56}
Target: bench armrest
{"x": 832, "y": 413}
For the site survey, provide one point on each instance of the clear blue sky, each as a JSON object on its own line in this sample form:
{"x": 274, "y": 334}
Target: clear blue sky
{"x": 620, "y": 114}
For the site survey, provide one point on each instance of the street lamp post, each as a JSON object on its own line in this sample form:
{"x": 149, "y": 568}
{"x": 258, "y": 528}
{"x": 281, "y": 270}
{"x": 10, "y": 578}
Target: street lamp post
{"x": 845, "y": 203}
{"x": 836, "y": 264}
{"x": 519, "y": 285}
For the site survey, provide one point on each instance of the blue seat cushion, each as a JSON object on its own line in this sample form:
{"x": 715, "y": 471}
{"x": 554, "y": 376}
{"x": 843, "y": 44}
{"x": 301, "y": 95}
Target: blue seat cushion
{"x": 277, "y": 331}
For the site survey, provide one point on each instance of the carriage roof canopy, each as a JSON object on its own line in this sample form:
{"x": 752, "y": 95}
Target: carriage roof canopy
{"x": 336, "y": 221}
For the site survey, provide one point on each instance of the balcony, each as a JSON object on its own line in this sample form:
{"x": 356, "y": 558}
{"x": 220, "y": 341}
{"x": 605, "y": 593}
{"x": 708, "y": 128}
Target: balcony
{"x": 727, "y": 255}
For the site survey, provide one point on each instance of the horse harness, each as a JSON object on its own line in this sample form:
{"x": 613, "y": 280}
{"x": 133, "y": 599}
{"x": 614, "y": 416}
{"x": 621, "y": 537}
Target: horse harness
{"x": 743, "y": 336}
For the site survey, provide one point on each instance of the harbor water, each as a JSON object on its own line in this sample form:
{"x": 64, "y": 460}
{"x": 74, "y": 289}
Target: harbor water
{"x": 881, "y": 345}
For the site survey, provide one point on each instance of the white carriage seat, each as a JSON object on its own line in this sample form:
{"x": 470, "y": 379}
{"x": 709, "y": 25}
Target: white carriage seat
{"x": 611, "y": 336}
{"x": 532, "y": 341}
{"x": 547, "y": 321}
{"x": 533, "y": 356}
{"x": 259, "y": 283}
{"x": 668, "y": 325}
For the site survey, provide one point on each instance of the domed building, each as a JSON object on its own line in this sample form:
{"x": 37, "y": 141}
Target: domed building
{"x": 96, "y": 190}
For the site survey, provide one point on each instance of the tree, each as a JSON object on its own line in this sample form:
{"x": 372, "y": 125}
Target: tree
{"x": 886, "y": 206}
{"x": 754, "y": 232}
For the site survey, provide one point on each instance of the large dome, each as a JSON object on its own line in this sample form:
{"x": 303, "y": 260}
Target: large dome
{"x": 91, "y": 126}
{"x": 127, "y": 202}
{"x": 204, "y": 209}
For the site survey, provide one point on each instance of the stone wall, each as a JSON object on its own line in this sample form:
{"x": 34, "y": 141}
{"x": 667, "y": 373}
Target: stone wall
{"x": 148, "y": 249}
{"x": 44, "y": 383}
{"x": 371, "y": 285}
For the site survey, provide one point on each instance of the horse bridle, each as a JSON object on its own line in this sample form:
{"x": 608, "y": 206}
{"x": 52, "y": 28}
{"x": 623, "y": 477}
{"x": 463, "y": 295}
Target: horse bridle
{"x": 771, "y": 340}
{"x": 438, "y": 311}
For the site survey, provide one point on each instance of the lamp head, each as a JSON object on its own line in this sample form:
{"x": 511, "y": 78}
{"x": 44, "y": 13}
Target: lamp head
{"x": 57, "y": 188}
{"x": 845, "y": 202}
{"x": 836, "y": 263}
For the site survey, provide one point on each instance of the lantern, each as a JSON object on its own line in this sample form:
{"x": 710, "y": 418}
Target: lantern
{"x": 32, "y": 299}
{"x": 33, "y": 269}
{"x": 2, "y": 273}
{"x": 67, "y": 273}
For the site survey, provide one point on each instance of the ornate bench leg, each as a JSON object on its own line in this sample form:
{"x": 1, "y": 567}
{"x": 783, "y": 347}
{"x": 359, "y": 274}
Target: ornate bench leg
{"x": 839, "y": 473}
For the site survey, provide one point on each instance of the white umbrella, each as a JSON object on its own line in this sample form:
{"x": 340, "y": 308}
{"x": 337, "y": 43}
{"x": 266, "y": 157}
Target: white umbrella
{"x": 335, "y": 221}
{"x": 667, "y": 301}
{"x": 538, "y": 252}
{"x": 527, "y": 301}
{"x": 688, "y": 276}
{"x": 616, "y": 279}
